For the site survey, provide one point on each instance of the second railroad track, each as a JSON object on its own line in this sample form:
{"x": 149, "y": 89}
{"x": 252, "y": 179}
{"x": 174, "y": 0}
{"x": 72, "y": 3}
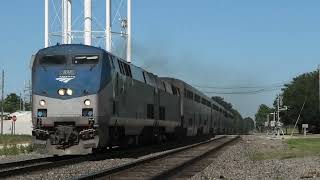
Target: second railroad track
{"x": 166, "y": 165}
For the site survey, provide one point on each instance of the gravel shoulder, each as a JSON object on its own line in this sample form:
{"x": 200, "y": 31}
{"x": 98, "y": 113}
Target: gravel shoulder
{"x": 21, "y": 157}
{"x": 237, "y": 162}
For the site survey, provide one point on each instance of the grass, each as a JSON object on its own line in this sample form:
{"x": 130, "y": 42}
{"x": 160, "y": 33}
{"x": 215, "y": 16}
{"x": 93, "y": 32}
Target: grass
{"x": 15, "y": 149}
{"x": 14, "y": 139}
{"x": 12, "y": 144}
{"x": 305, "y": 146}
{"x": 290, "y": 129}
{"x": 296, "y": 148}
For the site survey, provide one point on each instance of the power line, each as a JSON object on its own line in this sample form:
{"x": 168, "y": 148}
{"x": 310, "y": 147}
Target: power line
{"x": 242, "y": 89}
{"x": 275, "y": 85}
{"x": 259, "y": 91}
{"x": 239, "y": 87}
{"x": 2, "y": 103}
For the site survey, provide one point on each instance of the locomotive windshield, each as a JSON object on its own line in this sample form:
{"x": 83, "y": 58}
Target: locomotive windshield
{"x": 53, "y": 60}
{"x": 92, "y": 59}
{"x": 76, "y": 71}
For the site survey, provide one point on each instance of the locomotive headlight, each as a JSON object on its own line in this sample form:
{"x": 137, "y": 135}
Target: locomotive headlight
{"x": 42, "y": 102}
{"x": 69, "y": 92}
{"x": 87, "y": 102}
{"x": 61, "y": 92}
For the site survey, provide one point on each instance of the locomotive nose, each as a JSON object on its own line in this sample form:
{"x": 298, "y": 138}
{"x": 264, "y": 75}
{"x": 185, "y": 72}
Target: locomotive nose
{"x": 66, "y": 123}
{"x": 79, "y": 110}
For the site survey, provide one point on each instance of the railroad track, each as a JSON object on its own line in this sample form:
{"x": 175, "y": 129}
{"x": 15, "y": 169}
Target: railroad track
{"x": 163, "y": 166}
{"x": 27, "y": 166}
{"x": 21, "y": 167}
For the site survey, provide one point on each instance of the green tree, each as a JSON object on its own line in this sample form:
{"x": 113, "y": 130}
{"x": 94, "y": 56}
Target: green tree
{"x": 228, "y": 106}
{"x": 303, "y": 88}
{"x": 261, "y": 115}
{"x": 12, "y": 103}
{"x": 222, "y": 102}
{"x": 248, "y": 124}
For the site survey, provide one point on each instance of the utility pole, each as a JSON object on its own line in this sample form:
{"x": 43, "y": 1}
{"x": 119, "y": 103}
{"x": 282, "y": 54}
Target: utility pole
{"x": 2, "y": 103}
{"x": 319, "y": 84}
{"x": 20, "y": 102}
{"x": 30, "y": 95}
{"x": 24, "y": 97}
{"x": 278, "y": 115}
{"x": 278, "y": 108}
{"x": 267, "y": 123}
{"x": 27, "y": 93}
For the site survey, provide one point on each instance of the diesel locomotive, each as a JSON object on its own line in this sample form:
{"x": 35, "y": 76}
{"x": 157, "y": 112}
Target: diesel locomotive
{"x": 85, "y": 98}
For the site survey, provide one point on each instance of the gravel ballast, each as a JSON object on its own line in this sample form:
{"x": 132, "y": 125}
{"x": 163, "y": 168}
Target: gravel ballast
{"x": 234, "y": 162}
{"x": 83, "y": 168}
{"x": 20, "y": 157}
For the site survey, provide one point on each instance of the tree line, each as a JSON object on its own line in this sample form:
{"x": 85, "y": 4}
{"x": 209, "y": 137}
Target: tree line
{"x": 13, "y": 103}
{"x": 248, "y": 121}
{"x": 303, "y": 89}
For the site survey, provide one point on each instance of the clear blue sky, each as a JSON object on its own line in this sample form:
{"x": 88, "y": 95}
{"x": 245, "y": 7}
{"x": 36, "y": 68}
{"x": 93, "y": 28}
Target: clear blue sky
{"x": 207, "y": 42}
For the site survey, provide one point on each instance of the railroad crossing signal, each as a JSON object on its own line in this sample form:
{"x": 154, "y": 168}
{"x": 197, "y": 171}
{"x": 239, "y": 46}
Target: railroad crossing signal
{"x": 285, "y": 108}
{"x": 280, "y": 100}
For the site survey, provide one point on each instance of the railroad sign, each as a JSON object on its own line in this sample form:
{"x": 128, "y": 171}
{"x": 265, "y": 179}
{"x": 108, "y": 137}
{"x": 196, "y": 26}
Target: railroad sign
{"x": 14, "y": 118}
{"x": 305, "y": 127}
{"x": 272, "y": 123}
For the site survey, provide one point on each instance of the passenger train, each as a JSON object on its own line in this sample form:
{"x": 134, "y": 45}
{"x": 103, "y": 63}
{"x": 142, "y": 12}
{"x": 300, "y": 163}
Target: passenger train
{"x": 85, "y": 99}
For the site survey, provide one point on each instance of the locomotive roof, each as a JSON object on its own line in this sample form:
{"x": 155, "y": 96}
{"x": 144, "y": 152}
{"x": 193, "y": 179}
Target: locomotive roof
{"x": 71, "y": 49}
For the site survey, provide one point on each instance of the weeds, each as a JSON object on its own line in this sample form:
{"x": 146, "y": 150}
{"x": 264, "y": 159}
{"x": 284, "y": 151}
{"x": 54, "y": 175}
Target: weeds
{"x": 15, "y": 144}
{"x": 15, "y": 149}
{"x": 14, "y": 139}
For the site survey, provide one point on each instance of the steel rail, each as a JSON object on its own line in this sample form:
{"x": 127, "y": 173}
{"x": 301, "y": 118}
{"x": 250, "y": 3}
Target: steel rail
{"x": 31, "y": 165}
{"x": 16, "y": 168}
{"x": 166, "y": 173}
{"x": 31, "y": 161}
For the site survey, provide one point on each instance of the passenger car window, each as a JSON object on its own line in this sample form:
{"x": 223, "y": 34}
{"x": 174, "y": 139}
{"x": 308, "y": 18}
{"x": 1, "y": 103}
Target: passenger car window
{"x": 175, "y": 90}
{"x": 168, "y": 87}
{"x": 150, "y": 79}
{"x": 137, "y": 73}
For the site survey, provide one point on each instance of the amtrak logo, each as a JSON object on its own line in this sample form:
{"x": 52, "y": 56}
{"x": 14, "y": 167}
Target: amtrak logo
{"x": 66, "y": 75}
{"x": 65, "y": 79}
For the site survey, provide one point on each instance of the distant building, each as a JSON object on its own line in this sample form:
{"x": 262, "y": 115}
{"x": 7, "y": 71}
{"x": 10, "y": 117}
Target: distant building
{"x": 23, "y": 123}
